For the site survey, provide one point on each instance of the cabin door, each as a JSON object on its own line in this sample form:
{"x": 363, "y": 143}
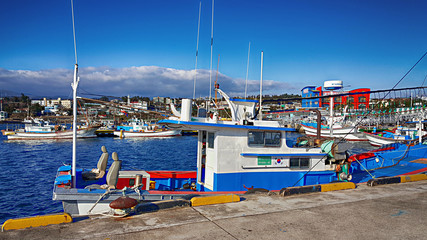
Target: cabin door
{"x": 201, "y": 157}
{"x": 206, "y": 159}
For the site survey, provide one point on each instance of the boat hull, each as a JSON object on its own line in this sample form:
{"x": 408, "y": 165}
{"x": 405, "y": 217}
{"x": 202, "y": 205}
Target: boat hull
{"x": 81, "y": 133}
{"x": 378, "y": 141}
{"x": 395, "y": 160}
{"x": 346, "y": 133}
{"x": 169, "y": 186}
{"x": 167, "y": 133}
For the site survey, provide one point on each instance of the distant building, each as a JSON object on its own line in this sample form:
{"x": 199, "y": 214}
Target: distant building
{"x": 353, "y": 101}
{"x": 53, "y": 102}
{"x": 310, "y": 91}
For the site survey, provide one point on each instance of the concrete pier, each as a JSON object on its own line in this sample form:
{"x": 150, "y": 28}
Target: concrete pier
{"x": 395, "y": 211}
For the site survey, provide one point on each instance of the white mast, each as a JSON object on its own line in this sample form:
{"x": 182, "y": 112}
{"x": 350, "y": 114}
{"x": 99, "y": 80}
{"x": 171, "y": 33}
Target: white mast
{"x": 260, "y": 88}
{"x": 210, "y": 72}
{"x": 197, "y": 51}
{"x": 247, "y": 71}
{"x": 74, "y": 85}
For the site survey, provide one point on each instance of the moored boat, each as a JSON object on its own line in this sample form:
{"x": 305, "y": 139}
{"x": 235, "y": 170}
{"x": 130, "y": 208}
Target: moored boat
{"x": 348, "y": 133}
{"x": 403, "y": 135}
{"x": 49, "y": 132}
{"x": 139, "y": 128}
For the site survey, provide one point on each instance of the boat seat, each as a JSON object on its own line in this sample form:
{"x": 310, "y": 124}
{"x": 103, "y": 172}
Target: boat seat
{"x": 98, "y": 172}
{"x": 112, "y": 175}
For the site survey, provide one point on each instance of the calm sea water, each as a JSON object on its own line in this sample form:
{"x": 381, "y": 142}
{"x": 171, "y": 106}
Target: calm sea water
{"x": 28, "y": 168}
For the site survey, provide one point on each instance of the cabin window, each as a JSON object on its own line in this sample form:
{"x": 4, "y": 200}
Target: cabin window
{"x": 264, "y": 139}
{"x": 299, "y": 162}
{"x": 211, "y": 139}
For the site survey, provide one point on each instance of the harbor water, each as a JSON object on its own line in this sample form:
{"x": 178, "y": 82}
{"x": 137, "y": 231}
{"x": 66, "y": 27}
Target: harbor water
{"x": 28, "y": 168}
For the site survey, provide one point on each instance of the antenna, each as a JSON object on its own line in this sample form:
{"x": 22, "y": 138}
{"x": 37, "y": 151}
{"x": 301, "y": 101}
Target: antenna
{"x": 197, "y": 51}
{"x": 210, "y": 72}
{"x": 247, "y": 71}
{"x": 216, "y": 86}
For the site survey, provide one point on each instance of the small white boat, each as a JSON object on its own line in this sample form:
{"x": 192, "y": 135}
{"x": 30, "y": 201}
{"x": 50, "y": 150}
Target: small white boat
{"x": 40, "y": 132}
{"x": 348, "y": 133}
{"x": 139, "y": 128}
{"x": 403, "y": 135}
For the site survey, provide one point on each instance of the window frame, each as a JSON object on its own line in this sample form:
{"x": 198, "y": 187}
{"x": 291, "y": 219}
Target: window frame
{"x": 272, "y": 141}
{"x": 300, "y": 160}
{"x": 210, "y": 140}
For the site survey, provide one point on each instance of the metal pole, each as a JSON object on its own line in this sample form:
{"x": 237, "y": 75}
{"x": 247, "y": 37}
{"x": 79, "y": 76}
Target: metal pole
{"x": 74, "y": 86}
{"x": 260, "y": 88}
{"x": 331, "y": 123}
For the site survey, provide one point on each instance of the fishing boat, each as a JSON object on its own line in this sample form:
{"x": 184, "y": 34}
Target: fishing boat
{"x": 349, "y": 133}
{"x": 233, "y": 156}
{"x": 397, "y": 159}
{"x": 41, "y": 132}
{"x": 400, "y": 134}
{"x": 140, "y": 128}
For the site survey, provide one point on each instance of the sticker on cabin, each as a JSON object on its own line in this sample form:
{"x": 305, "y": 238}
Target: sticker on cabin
{"x": 264, "y": 160}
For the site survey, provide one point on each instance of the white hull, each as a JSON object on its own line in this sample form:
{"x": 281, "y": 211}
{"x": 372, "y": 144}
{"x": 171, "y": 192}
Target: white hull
{"x": 378, "y": 141}
{"x": 346, "y": 133}
{"x": 81, "y": 133}
{"x": 168, "y": 133}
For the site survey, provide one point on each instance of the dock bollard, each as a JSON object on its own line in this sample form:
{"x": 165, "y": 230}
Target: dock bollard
{"x": 399, "y": 179}
{"x": 36, "y": 221}
{"x": 317, "y": 188}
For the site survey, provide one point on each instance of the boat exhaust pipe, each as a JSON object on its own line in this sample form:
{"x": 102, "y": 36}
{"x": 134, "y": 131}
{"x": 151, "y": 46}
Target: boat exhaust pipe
{"x": 186, "y": 110}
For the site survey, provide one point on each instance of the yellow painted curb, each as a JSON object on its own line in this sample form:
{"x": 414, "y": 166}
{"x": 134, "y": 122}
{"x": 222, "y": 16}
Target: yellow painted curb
{"x": 336, "y": 186}
{"x": 36, "y": 221}
{"x": 200, "y": 201}
{"x": 413, "y": 178}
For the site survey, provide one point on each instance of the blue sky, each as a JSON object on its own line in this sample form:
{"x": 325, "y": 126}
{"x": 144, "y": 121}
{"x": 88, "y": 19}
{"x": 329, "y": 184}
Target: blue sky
{"x": 147, "y": 48}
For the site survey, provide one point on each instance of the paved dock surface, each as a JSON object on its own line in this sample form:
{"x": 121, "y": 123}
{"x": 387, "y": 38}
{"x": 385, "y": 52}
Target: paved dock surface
{"x": 397, "y": 211}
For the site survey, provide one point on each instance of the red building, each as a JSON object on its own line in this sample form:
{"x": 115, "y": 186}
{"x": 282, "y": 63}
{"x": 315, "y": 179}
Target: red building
{"x": 356, "y": 101}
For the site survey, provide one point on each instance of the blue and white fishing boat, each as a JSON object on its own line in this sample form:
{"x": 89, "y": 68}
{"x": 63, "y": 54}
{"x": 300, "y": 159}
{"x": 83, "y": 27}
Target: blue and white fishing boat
{"x": 378, "y": 139}
{"x": 140, "y": 128}
{"x": 233, "y": 156}
{"x": 397, "y": 159}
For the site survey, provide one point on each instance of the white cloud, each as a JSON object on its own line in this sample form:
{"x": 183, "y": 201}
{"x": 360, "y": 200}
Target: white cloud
{"x": 147, "y": 81}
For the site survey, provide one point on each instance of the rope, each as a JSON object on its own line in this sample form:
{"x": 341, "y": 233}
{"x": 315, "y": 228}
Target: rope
{"x": 99, "y": 199}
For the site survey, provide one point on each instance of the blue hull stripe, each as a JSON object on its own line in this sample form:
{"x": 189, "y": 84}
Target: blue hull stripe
{"x": 269, "y": 180}
{"x": 281, "y": 154}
